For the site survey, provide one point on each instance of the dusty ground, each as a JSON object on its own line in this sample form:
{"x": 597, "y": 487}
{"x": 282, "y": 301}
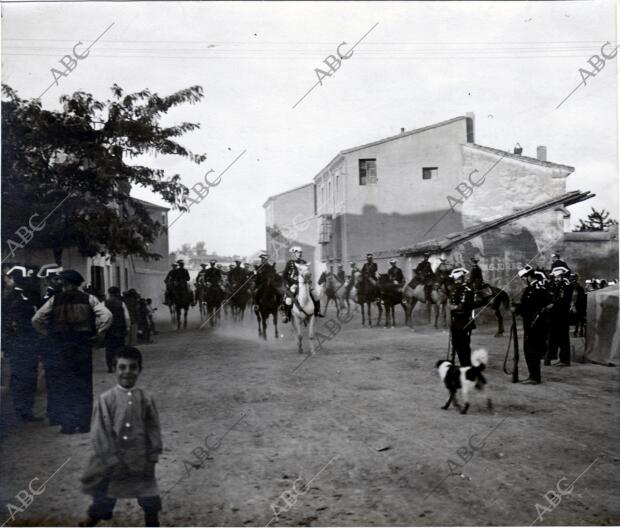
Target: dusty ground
{"x": 365, "y": 415}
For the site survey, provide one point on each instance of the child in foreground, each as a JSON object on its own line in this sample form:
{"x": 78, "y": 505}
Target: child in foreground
{"x": 126, "y": 439}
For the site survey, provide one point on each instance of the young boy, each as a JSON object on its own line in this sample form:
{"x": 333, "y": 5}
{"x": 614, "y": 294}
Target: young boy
{"x": 126, "y": 439}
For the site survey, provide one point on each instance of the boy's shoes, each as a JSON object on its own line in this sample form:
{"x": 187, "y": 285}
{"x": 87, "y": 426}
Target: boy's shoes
{"x": 530, "y": 381}
{"x": 89, "y": 521}
{"x": 151, "y": 519}
{"x": 561, "y": 364}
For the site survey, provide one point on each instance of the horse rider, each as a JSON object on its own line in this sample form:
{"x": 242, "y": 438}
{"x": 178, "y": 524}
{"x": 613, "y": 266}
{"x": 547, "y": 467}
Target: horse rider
{"x": 558, "y": 262}
{"x": 340, "y": 274}
{"x": 369, "y": 269}
{"x": 395, "y": 274}
{"x": 442, "y": 272}
{"x": 559, "y": 330}
{"x": 200, "y": 278}
{"x": 213, "y": 274}
{"x": 237, "y": 275}
{"x": 475, "y": 275}
{"x": 291, "y": 276}
{"x": 263, "y": 273}
{"x": 462, "y": 322}
{"x": 423, "y": 274}
{"x": 178, "y": 274}
{"x": 533, "y": 308}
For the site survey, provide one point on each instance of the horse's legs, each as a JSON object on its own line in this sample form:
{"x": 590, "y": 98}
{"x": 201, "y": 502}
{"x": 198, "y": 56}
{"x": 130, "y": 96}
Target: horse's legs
{"x": 275, "y": 323}
{"x": 259, "y": 322}
{"x": 297, "y": 326}
{"x": 178, "y": 317}
{"x": 368, "y": 307}
{"x": 265, "y": 317}
{"x": 363, "y": 315}
{"x": 185, "y": 317}
{"x": 500, "y": 320}
{"x": 311, "y": 333}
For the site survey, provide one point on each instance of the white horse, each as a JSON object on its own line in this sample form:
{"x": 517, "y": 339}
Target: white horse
{"x": 303, "y": 307}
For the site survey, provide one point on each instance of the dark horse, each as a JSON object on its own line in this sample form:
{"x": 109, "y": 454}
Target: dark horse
{"x": 496, "y": 298}
{"x": 391, "y": 294}
{"x": 181, "y": 298}
{"x": 365, "y": 293}
{"x": 239, "y": 294}
{"x": 214, "y": 297}
{"x": 268, "y": 298}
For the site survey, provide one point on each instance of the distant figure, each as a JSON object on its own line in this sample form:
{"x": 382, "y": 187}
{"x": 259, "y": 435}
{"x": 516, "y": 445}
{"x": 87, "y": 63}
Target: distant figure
{"x": 120, "y": 327}
{"x": 558, "y": 262}
{"x": 126, "y": 441}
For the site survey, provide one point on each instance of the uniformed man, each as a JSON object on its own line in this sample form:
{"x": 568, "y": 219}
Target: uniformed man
{"x": 179, "y": 275}
{"x": 237, "y": 275}
{"x": 442, "y": 272}
{"x": 21, "y": 344}
{"x": 213, "y": 274}
{"x": 340, "y": 274}
{"x": 580, "y": 304}
{"x": 74, "y": 318}
{"x": 201, "y": 277}
{"x": 559, "y": 329}
{"x": 50, "y": 274}
{"x": 475, "y": 275}
{"x": 369, "y": 269}
{"x": 462, "y": 322}
{"x": 291, "y": 276}
{"x": 263, "y": 273}
{"x": 168, "y": 283}
{"x": 395, "y": 274}
{"x": 534, "y": 306}
{"x": 557, "y": 262}
{"x": 423, "y": 274}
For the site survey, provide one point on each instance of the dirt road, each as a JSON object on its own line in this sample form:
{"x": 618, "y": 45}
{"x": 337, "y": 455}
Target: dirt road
{"x": 359, "y": 423}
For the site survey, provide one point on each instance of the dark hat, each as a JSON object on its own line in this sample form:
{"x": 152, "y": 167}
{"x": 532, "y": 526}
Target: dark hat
{"x": 180, "y": 261}
{"x": 369, "y": 255}
{"x": 114, "y": 290}
{"x": 474, "y": 260}
{"x": 426, "y": 254}
{"x": 72, "y": 277}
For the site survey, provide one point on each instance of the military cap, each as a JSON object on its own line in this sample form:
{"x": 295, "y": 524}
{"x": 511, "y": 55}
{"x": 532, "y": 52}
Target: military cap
{"x": 72, "y": 277}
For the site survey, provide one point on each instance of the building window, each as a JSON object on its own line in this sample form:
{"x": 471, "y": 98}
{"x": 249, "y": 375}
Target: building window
{"x": 368, "y": 171}
{"x": 429, "y": 173}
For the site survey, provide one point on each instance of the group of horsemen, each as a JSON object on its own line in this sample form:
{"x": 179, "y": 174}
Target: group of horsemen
{"x": 265, "y": 273}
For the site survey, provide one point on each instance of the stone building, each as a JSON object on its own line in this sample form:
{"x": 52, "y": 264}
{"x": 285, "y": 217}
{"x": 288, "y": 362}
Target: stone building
{"x": 415, "y": 186}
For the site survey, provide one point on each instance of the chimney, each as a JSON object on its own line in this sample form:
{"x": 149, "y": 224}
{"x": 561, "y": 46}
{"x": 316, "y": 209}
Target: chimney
{"x": 402, "y": 130}
{"x": 541, "y": 153}
{"x": 471, "y": 121}
{"x": 518, "y": 149}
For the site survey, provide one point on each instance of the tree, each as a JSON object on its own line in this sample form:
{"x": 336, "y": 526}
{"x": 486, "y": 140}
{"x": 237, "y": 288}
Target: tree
{"x": 74, "y": 162}
{"x": 597, "y": 221}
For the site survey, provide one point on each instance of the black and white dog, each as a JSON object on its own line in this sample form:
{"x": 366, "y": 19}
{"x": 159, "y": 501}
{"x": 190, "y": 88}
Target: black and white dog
{"x": 464, "y": 378}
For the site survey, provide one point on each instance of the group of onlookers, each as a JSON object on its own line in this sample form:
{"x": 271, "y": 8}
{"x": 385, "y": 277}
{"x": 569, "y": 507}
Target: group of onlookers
{"x": 61, "y": 328}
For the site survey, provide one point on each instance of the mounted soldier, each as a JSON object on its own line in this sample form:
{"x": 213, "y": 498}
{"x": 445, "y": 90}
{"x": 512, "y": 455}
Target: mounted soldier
{"x": 423, "y": 274}
{"x": 369, "y": 269}
{"x": 214, "y": 275}
{"x": 237, "y": 275}
{"x": 290, "y": 276}
{"x": 168, "y": 283}
{"x": 395, "y": 274}
{"x": 340, "y": 274}
{"x": 178, "y": 275}
{"x": 201, "y": 277}
{"x": 442, "y": 272}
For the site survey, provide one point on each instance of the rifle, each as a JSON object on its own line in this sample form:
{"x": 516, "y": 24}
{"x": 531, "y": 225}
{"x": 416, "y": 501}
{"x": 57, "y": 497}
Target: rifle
{"x": 515, "y": 356}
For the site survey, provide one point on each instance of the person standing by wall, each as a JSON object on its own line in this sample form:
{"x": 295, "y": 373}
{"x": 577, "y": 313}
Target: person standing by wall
{"x": 73, "y": 318}
{"x": 21, "y": 344}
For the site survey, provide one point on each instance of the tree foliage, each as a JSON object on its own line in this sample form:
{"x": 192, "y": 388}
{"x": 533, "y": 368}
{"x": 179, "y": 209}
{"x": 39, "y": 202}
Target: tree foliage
{"x": 596, "y": 221}
{"x": 80, "y": 156}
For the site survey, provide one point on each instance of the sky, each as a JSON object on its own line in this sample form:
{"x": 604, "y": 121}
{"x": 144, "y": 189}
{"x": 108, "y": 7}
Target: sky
{"x": 510, "y": 63}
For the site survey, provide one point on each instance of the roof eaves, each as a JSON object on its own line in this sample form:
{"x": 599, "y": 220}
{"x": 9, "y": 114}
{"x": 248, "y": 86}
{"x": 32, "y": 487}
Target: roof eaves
{"x": 518, "y": 157}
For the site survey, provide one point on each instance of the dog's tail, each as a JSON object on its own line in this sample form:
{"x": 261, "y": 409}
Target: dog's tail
{"x": 442, "y": 368}
{"x": 479, "y": 357}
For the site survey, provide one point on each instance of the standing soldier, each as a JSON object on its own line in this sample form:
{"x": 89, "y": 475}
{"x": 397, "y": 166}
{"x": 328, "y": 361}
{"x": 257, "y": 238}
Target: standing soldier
{"x": 462, "y": 322}
{"x": 52, "y": 359}
{"x": 559, "y": 329}
{"x": 423, "y": 274}
{"x": 535, "y": 302}
{"x": 20, "y": 341}
{"x": 395, "y": 274}
{"x": 475, "y": 275}
{"x": 74, "y": 318}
